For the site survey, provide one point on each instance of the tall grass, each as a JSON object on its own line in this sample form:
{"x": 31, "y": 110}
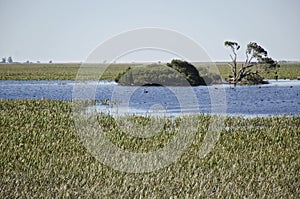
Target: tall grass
{"x": 42, "y": 156}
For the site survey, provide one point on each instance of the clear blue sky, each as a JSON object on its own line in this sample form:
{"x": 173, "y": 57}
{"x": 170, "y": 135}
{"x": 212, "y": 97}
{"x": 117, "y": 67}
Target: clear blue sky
{"x": 69, "y": 30}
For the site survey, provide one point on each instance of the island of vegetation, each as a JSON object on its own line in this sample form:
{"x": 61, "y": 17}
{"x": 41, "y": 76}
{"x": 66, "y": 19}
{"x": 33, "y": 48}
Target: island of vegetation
{"x": 176, "y": 73}
{"x": 183, "y": 73}
{"x": 257, "y": 62}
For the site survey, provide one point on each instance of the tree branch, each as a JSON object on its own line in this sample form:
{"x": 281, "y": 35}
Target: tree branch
{"x": 231, "y": 57}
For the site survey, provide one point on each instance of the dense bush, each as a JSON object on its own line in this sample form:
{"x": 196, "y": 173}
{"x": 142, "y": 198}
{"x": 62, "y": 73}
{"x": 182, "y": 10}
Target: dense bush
{"x": 176, "y": 73}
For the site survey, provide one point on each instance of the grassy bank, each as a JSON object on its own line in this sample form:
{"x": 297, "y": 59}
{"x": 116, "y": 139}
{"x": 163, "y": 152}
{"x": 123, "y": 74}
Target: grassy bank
{"x": 42, "y": 156}
{"x": 69, "y": 71}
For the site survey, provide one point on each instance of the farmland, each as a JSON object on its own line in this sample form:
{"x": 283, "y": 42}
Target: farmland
{"x": 43, "y": 156}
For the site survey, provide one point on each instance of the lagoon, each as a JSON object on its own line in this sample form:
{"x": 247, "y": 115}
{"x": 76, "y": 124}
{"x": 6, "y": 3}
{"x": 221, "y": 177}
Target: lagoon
{"x": 280, "y": 97}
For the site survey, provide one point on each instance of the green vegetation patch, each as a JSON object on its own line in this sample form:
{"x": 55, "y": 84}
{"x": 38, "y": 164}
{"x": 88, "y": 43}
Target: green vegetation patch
{"x": 59, "y": 71}
{"x": 42, "y": 156}
{"x": 152, "y": 75}
{"x": 176, "y": 73}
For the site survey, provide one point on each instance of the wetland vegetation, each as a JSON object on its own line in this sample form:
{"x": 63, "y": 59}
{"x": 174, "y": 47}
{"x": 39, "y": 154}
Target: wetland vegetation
{"x": 42, "y": 156}
{"x": 68, "y": 71}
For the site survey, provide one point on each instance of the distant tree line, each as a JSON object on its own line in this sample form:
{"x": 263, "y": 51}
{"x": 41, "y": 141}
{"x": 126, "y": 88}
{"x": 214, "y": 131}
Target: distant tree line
{"x": 8, "y": 60}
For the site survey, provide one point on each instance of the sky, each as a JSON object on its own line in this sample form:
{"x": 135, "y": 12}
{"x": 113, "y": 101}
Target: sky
{"x": 69, "y": 30}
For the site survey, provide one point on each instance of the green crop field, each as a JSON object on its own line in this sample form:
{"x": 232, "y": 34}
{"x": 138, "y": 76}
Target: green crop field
{"x": 69, "y": 71}
{"x": 42, "y": 156}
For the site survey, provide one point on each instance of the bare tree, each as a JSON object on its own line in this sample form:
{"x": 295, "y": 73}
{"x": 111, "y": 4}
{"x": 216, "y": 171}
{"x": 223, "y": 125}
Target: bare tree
{"x": 255, "y": 56}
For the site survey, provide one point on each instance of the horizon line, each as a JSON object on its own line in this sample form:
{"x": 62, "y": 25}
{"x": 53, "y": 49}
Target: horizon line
{"x": 130, "y": 62}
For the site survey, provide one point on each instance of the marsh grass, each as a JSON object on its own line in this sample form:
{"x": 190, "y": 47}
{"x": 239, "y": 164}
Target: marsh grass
{"x": 42, "y": 156}
{"x": 57, "y": 71}
{"x": 69, "y": 71}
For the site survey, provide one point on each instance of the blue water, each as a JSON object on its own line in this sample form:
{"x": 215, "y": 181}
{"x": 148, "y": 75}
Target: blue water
{"x": 277, "y": 98}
